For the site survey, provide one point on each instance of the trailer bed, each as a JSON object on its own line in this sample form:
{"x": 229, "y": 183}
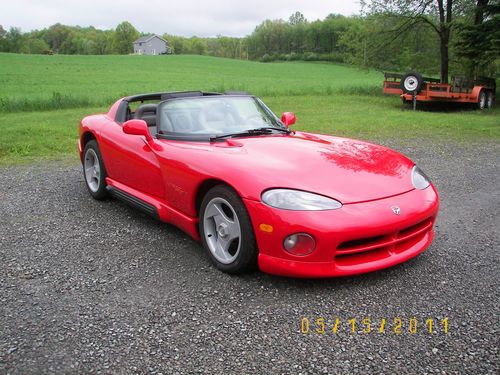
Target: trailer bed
{"x": 460, "y": 90}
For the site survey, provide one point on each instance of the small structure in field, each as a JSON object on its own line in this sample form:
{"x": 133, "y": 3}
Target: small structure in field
{"x": 151, "y": 45}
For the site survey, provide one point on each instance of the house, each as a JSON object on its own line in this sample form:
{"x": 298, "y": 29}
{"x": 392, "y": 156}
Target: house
{"x": 151, "y": 45}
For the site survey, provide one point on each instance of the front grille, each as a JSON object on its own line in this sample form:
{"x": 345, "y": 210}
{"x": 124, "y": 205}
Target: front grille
{"x": 394, "y": 242}
{"x": 360, "y": 243}
{"x": 414, "y": 229}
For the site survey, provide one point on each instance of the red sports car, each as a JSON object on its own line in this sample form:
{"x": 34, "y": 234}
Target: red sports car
{"x": 226, "y": 170}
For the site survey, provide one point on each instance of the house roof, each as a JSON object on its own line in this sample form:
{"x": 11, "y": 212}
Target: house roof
{"x": 147, "y": 38}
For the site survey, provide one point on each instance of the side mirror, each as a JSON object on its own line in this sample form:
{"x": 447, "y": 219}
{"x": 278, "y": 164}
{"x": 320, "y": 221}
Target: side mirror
{"x": 137, "y": 127}
{"x": 288, "y": 118}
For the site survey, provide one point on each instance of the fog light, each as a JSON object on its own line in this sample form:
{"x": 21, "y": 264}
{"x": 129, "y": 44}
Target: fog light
{"x": 299, "y": 244}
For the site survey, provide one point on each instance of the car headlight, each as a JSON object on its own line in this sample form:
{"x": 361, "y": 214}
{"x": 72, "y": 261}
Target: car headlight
{"x": 297, "y": 200}
{"x": 419, "y": 179}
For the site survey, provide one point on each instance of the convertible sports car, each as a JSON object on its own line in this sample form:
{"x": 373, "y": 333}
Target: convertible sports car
{"x": 226, "y": 170}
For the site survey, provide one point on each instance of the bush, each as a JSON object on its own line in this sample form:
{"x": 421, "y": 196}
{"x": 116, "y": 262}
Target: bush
{"x": 310, "y": 56}
{"x": 266, "y": 58}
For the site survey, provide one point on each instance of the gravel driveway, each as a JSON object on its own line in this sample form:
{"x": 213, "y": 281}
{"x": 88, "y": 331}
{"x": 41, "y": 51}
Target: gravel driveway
{"x": 96, "y": 287}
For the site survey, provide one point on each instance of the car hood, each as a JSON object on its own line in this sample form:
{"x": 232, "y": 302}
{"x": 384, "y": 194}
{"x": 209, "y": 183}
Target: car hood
{"x": 348, "y": 170}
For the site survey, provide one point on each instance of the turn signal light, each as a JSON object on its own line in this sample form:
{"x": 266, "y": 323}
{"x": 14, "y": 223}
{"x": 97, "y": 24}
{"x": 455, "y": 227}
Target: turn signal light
{"x": 266, "y": 228}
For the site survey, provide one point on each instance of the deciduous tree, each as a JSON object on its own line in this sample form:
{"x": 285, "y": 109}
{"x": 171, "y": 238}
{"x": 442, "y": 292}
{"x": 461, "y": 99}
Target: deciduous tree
{"x": 479, "y": 42}
{"x": 438, "y": 14}
{"x": 125, "y": 34}
{"x": 297, "y": 18}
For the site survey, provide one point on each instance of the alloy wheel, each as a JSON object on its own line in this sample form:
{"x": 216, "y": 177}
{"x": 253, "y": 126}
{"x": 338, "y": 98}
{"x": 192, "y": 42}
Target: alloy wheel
{"x": 222, "y": 230}
{"x": 92, "y": 170}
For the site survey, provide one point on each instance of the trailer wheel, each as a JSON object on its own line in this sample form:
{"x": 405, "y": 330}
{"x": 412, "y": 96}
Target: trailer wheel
{"x": 481, "y": 101}
{"x": 411, "y": 83}
{"x": 489, "y": 100}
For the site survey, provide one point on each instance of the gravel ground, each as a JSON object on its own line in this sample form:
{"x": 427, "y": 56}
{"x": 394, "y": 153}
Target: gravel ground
{"x": 96, "y": 287}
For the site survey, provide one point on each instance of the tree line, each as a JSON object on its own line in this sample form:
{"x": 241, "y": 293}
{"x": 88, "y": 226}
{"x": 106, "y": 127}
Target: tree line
{"x": 433, "y": 36}
{"x": 69, "y": 40}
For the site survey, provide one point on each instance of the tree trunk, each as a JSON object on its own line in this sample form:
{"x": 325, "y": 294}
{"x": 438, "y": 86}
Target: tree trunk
{"x": 444, "y": 38}
{"x": 479, "y": 12}
{"x": 444, "y": 30}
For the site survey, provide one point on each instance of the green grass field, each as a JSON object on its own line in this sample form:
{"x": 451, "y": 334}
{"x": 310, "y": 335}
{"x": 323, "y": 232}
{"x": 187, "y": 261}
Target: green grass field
{"x": 42, "y": 98}
{"x": 36, "y": 82}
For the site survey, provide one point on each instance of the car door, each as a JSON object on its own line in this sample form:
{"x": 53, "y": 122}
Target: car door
{"x": 129, "y": 160}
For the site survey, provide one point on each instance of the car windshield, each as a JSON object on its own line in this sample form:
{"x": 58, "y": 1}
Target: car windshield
{"x": 208, "y": 116}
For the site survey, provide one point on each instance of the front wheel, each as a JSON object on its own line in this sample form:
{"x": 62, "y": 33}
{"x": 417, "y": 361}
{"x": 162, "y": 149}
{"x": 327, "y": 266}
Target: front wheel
{"x": 94, "y": 171}
{"x": 226, "y": 231}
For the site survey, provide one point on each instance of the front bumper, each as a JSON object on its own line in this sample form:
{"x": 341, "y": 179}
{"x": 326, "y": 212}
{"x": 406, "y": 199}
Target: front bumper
{"x": 354, "y": 239}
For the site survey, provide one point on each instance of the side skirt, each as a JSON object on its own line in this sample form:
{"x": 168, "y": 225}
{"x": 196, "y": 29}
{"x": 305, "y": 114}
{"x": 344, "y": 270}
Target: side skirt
{"x": 154, "y": 207}
{"x": 133, "y": 201}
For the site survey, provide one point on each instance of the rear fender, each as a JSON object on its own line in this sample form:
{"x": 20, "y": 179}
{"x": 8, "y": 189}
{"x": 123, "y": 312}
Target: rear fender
{"x": 475, "y": 93}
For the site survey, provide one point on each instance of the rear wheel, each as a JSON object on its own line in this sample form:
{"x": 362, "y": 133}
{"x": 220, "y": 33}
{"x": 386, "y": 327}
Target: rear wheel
{"x": 94, "y": 171}
{"x": 481, "y": 101}
{"x": 489, "y": 100}
{"x": 226, "y": 231}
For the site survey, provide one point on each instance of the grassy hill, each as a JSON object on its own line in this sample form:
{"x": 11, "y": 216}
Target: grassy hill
{"x": 42, "y": 98}
{"x": 37, "y": 82}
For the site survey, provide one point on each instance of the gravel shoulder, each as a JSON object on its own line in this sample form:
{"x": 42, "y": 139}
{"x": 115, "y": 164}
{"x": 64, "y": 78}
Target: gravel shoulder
{"x": 97, "y": 287}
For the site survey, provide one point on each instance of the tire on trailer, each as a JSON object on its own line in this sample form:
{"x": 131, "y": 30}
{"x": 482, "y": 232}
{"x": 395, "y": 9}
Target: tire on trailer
{"x": 489, "y": 100}
{"x": 226, "y": 231}
{"x": 412, "y": 83}
{"x": 481, "y": 100}
{"x": 94, "y": 171}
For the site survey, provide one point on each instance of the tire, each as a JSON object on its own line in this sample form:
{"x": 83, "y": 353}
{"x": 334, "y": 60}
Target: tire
{"x": 481, "y": 100}
{"x": 412, "y": 83}
{"x": 489, "y": 100}
{"x": 226, "y": 231}
{"x": 94, "y": 171}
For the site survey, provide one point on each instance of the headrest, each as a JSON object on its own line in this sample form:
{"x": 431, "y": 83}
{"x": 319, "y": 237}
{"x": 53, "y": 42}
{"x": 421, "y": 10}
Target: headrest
{"x": 146, "y": 108}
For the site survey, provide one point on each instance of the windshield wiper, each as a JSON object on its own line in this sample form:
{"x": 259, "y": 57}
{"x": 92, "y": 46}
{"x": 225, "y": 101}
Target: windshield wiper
{"x": 250, "y": 132}
{"x": 284, "y": 130}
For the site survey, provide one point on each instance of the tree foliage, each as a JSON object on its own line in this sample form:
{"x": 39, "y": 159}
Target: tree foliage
{"x": 397, "y": 35}
{"x": 124, "y": 36}
{"x": 438, "y": 14}
{"x": 297, "y": 18}
{"x": 479, "y": 43}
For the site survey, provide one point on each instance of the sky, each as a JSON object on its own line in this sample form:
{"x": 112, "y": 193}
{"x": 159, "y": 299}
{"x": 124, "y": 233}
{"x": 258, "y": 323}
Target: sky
{"x": 180, "y": 17}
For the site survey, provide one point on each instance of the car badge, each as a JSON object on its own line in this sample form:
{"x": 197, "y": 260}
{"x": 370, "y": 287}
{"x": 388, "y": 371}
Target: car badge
{"x": 396, "y": 210}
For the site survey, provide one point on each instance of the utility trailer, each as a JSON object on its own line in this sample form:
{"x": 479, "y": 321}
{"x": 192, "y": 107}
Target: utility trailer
{"x": 413, "y": 87}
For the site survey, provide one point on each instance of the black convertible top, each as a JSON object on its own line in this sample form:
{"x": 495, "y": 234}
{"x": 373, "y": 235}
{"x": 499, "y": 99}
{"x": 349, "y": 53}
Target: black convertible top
{"x": 168, "y": 95}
